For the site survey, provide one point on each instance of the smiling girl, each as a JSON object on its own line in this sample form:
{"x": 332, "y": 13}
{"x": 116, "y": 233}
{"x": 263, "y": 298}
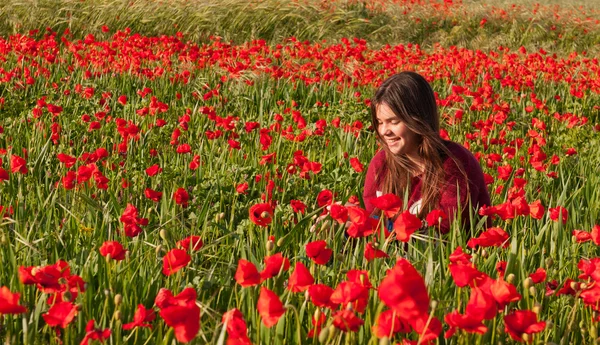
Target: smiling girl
{"x": 434, "y": 173}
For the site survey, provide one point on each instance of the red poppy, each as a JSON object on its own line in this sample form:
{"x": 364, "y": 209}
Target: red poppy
{"x": 458, "y": 256}
{"x": 435, "y": 217}
{"x": 596, "y": 234}
{"x": 3, "y": 174}
{"x": 404, "y": 291}
{"x": 68, "y": 160}
{"x": 153, "y": 195}
{"x": 140, "y": 318}
{"x": 320, "y": 295}
{"x": 346, "y": 320}
{"x": 269, "y": 307}
{"x": 300, "y": 279}
{"x": 389, "y": 203}
{"x": 405, "y": 225}
{"x": 504, "y": 293}
{"x": 18, "y": 164}
{"x": 339, "y": 213}
{"x": 131, "y": 221}
{"x": 463, "y": 274}
{"x": 538, "y": 276}
{"x": 247, "y": 274}
{"x": 60, "y": 314}
{"x": 347, "y": 292}
{"x": 175, "y": 260}
{"x": 581, "y": 236}
{"x": 185, "y": 320}
{"x": 261, "y": 214}
{"x": 190, "y": 243}
{"x": 521, "y": 322}
{"x": 361, "y": 224}
{"x": 389, "y": 323}
{"x": 154, "y": 170}
{"x": 559, "y": 212}
{"x": 9, "y": 302}
{"x": 273, "y": 265}
{"x": 181, "y": 197}
{"x": 93, "y": 333}
{"x": 481, "y": 304}
{"x": 324, "y": 198}
{"x": 242, "y": 188}
{"x": 372, "y": 253}
{"x": 492, "y": 237}
{"x": 467, "y": 322}
{"x": 235, "y": 326}
{"x": 114, "y": 249}
{"x": 356, "y": 165}
{"x": 165, "y": 298}
{"x": 318, "y": 252}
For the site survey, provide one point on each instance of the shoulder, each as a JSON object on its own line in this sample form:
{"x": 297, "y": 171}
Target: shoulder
{"x": 461, "y": 156}
{"x": 378, "y": 159}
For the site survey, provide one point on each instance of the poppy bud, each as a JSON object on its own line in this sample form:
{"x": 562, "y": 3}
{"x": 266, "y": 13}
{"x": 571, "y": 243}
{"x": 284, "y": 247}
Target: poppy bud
{"x": 158, "y": 251}
{"x": 306, "y": 296}
{"x": 510, "y": 278}
{"x": 118, "y": 299}
{"x": 325, "y": 225}
{"x": 324, "y": 335}
{"x": 537, "y": 308}
{"x": 484, "y": 253}
{"x": 163, "y": 234}
{"x": 527, "y": 283}
{"x": 549, "y": 262}
{"x": 107, "y": 257}
{"x": 222, "y": 215}
{"x": 433, "y": 304}
{"x": 532, "y": 290}
{"x": 526, "y": 337}
{"x": 118, "y": 315}
{"x": 317, "y": 314}
{"x": 270, "y": 245}
{"x": 106, "y": 292}
{"x": 593, "y": 331}
{"x": 280, "y": 242}
{"x": 574, "y": 286}
{"x": 3, "y": 239}
{"x": 384, "y": 341}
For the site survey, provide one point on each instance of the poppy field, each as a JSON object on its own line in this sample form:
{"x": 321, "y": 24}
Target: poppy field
{"x": 161, "y": 175}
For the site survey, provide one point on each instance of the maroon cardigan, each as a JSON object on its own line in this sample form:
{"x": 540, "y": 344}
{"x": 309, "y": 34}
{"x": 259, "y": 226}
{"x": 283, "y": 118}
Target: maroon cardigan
{"x": 448, "y": 201}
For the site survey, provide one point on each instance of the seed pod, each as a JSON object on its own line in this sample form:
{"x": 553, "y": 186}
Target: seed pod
{"x": 67, "y": 296}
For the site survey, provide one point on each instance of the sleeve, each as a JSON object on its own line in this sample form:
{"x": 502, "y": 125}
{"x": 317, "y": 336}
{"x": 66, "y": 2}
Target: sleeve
{"x": 370, "y": 187}
{"x": 455, "y": 195}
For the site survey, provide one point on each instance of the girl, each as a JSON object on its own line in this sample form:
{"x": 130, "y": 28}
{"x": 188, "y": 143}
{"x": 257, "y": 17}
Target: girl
{"x": 435, "y": 174}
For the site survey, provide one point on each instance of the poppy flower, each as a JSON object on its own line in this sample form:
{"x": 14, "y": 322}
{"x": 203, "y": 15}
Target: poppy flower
{"x": 404, "y": 291}
{"x": 596, "y": 234}
{"x": 175, "y": 260}
{"x": 247, "y": 274}
{"x": 361, "y": 224}
{"x": 356, "y": 165}
{"x": 154, "y": 170}
{"x": 492, "y": 237}
{"x": 504, "y": 293}
{"x": 324, "y": 198}
{"x": 18, "y": 164}
{"x": 346, "y": 320}
{"x": 521, "y": 322}
{"x": 347, "y": 292}
{"x": 481, "y": 304}
{"x": 184, "y": 319}
{"x": 66, "y": 159}
{"x": 9, "y": 302}
{"x": 467, "y": 322}
{"x": 559, "y": 212}
{"x": 242, "y": 188}
{"x": 538, "y": 276}
{"x": 114, "y": 249}
{"x": 389, "y": 203}
{"x": 140, "y": 318}
{"x": 300, "y": 279}
{"x": 318, "y": 252}
{"x": 372, "y": 253}
{"x": 269, "y": 307}
{"x": 3, "y": 174}
{"x": 320, "y": 295}
{"x": 536, "y": 210}
{"x": 273, "y": 265}
{"x": 60, "y": 314}
{"x": 405, "y": 225}
{"x": 181, "y": 197}
{"x": 261, "y": 214}
{"x": 153, "y": 195}
{"x": 191, "y": 242}
{"x": 93, "y": 333}
{"x": 389, "y": 323}
{"x": 339, "y": 213}
{"x": 235, "y": 326}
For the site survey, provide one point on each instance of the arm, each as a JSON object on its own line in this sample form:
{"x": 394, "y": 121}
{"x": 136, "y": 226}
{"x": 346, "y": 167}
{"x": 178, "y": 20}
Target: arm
{"x": 456, "y": 196}
{"x": 370, "y": 187}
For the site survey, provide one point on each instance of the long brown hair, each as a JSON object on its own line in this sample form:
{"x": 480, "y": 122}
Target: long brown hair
{"x": 411, "y": 99}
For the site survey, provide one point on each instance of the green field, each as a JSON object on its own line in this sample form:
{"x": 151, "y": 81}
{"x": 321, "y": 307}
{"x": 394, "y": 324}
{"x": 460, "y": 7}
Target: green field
{"x": 147, "y": 122}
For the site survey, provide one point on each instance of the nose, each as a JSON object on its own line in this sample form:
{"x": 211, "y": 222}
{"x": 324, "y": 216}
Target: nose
{"x": 383, "y": 129}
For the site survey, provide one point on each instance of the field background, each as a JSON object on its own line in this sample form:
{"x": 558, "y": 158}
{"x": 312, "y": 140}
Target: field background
{"x": 281, "y": 64}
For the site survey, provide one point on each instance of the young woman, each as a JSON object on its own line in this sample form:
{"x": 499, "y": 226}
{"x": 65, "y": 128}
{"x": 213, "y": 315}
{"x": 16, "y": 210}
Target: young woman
{"x": 435, "y": 174}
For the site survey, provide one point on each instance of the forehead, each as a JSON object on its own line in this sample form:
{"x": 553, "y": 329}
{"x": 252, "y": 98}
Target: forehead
{"x": 384, "y": 112}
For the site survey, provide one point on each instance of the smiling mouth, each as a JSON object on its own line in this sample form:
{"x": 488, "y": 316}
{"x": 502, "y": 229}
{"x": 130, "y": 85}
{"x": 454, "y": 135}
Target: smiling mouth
{"x": 392, "y": 141}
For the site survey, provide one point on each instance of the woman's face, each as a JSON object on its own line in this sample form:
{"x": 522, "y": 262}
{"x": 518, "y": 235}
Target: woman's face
{"x": 395, "y": 134}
